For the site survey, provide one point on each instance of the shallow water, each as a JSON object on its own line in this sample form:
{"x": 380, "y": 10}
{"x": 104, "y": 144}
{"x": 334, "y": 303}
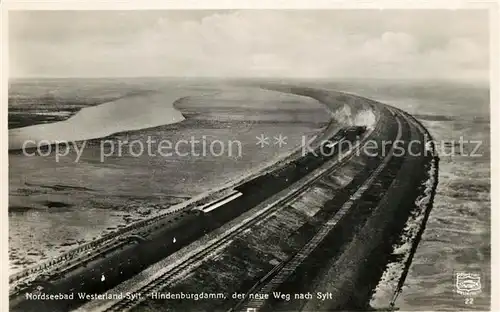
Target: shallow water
{"x": 457, "y": 235}
{"x": 55, "y": 204}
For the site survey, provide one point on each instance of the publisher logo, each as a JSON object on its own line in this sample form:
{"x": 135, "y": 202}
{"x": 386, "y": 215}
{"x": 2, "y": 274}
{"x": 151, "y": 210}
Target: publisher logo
{"x": 468, "y": 284}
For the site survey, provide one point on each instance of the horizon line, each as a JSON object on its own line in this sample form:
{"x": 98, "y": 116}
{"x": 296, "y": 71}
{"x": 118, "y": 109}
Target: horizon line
{"x": 482, "y": 79}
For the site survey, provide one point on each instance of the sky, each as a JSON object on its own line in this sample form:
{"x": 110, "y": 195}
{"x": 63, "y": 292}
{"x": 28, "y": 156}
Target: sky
{"x": 441, "y": 44}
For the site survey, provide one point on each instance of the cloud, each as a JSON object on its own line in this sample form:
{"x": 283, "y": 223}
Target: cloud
{"x": 253, "y": 43}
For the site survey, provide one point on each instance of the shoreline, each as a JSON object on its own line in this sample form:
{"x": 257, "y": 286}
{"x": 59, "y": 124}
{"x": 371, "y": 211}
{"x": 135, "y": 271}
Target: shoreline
{"x": 261, "y": 169}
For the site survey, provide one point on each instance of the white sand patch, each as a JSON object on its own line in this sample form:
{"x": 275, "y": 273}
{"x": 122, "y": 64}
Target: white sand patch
{"x": 126, "y": 114}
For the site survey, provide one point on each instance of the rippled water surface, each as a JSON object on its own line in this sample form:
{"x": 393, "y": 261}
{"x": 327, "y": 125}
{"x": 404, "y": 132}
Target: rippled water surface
{"x": 457, "y": 236}
{"x": 56, "y": 205}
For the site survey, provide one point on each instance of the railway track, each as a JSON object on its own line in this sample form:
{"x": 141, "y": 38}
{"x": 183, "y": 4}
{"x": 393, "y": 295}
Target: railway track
{"x": 264, "y": 210}
{"x": 89, "y": 251}
{"x": 281, "y": 272}
{"x": 20, "y": 304}
{"x": 75, "y": 259}
{"x": 167, "y": 278}
{"x": 86, "y": 252}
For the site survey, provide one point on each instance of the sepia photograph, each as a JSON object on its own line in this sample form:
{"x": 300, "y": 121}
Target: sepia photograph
{"x": 249, "y": 159}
